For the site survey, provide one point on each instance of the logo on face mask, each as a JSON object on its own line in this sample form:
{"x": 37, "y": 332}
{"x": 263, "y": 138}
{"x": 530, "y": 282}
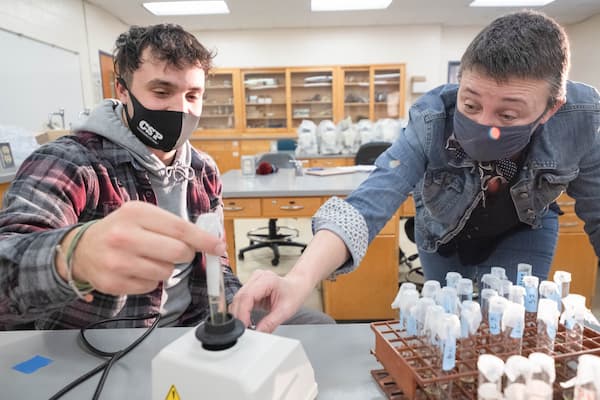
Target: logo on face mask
{"x": 150, "y": 131}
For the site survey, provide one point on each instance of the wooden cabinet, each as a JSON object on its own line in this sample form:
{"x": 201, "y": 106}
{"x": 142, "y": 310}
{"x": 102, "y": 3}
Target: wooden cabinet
{"x": 221, "y": 111}
{"x": 356, "y": 93}
{"x": 226, "y": 153}
{"x": 276, "y": 100}
{"x": 328, "y": 162}
{"x": 3, "y": 188}
{"x": 574, "y": 253}
{"x": 265, "y": 97}
{"x": 367, "y": 293}
{"x": 387, "y": 92}
{"x": 312, "y": 94}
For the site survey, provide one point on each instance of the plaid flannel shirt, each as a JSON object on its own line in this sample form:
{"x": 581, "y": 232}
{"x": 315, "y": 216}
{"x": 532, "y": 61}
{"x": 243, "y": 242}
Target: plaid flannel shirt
{"x": 68, "y": 182}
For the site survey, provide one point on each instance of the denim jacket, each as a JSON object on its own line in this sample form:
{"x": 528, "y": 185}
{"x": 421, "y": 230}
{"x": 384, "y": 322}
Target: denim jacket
{"x": 563, "y": 156}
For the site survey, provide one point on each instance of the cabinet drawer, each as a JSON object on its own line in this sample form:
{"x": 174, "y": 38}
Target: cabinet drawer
{"x": 569, "y": 223}
{"x": 330, "y": 162}
{"x": 250, "y": 147}
{"x": 566, "y": 203}
{"x": 235, "y": 208}
{"x": 291, "y": 206}
{"x": 209, "y": 146}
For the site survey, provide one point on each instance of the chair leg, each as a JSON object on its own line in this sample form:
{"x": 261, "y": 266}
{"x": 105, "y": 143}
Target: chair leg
{"x": 252, "y": 247}
{"x": 275, "y": 260}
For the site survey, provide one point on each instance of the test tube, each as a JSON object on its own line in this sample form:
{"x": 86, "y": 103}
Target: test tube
{"x": 543, "y": 374}
{"x": 573, "y": 317}
{"x": 430, "y": 289}
{"x": 407, "y": 299}
{"x": 531, "y": 284}
{"x": 523, "y": 270}
{"x": 490, "y": 370}
{"x": 449, "y": 332}
{"x": 549, "y": 290}
{"x": 470, "y": 321}
{"x": 489, "y": 281}
{"x": 448, "y": 299}
{"x": 516, "y": 294}
{"x": 211, "y": 223}
{"x": 452, "y": 278}
{"x": 504, "y": 289}
{"x": 465, "y": 289}
{"x": 498, "y": 272}
{"x": 563, "y": 280}
{"x": 433, "y": 314}
{"x": 496, "y": 310}
{"x": 513, "y": 324}
{"x": 484, "y": 298}
{"x": 420, "y": 310}
{"x": 407, "y": 286}
{"x": 547, "y": 325}
{"x": 587, "y": 382}
{"x": 517, "y": 370}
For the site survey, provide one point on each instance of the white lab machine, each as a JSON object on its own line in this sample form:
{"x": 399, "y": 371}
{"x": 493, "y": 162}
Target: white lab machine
{"x": 220, "y": 359}
{"x": 259, "y": 366}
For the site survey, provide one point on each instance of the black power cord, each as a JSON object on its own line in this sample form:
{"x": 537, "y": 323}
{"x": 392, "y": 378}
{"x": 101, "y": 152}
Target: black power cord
{"x": 113, "y": 356}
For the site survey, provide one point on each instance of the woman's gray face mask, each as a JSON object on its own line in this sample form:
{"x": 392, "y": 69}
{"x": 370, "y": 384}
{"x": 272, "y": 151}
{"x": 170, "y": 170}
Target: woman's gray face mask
{"x": 489, "y": 143}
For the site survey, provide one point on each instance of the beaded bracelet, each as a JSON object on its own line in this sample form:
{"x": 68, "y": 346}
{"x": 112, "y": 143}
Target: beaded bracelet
{"x": 81, "y": 289}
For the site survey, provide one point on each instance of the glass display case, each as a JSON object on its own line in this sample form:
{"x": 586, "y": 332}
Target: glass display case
{"x": 356, "y": 93}
{"x": 387, "y": 85}
{"x": 311, "y": 95}
{"x": 265, "y": 105}
{"x": 218, "y": 111}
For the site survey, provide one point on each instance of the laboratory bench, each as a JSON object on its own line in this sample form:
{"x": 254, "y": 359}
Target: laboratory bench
{"x": 339, "y": 354}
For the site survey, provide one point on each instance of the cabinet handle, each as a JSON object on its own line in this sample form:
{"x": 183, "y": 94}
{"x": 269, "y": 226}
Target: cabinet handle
{"x": 233, "y": 208}
{"x": 566, "y": 203}
{"x": 568, "y": 224}
{"x": 291, "y": 207}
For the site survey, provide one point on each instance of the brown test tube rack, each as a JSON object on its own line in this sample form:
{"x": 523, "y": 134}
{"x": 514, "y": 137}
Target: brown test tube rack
{"x": 410, "y": 364}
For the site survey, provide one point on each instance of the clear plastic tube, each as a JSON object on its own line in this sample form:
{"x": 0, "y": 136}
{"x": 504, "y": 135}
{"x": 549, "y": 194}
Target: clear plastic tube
{"x": 516, "y": 294}
{"x": 587, "y": 382}
{"x": 448, "y": 299}
{"x": 498, "y": 272}
{"x": 484, "y": 299}
{"x": 452, "y": 278}
{"x": 430, "y": 289}
{"x": 543, "y": 374}
{"x": 490, "y": 370}
{"x": 563, "y": 281}
{"x": 547, "y": 325}
{"x": 523, "y": 270}
{"x": 517, "y": 370}
{"x": 549, "y": 290}
{"x": 531, "y": 284}
{"x": 504, "y": 288}
{"x": 513, "y": 325}
{"x": 465, "y": 289}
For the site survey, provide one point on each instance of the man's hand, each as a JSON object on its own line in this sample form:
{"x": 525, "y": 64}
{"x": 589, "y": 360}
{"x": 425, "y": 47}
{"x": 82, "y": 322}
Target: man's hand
{"x": 281, "y": 297}
{"x": 134, "y": 248}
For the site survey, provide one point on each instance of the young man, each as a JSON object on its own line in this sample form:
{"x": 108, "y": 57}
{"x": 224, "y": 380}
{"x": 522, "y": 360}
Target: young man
{"x": 101, "y": 224}
{"x": 484, "y": 161}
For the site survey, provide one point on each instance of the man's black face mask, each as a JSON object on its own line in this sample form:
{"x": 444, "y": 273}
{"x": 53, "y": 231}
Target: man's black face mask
{"x": 159, "y": 129}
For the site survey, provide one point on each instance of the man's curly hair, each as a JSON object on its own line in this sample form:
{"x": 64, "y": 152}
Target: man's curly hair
{"x": 167, "y": 42}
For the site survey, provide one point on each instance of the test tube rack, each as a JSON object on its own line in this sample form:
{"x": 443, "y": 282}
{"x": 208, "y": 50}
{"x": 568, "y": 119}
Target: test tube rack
{"x": 410, "y": 370}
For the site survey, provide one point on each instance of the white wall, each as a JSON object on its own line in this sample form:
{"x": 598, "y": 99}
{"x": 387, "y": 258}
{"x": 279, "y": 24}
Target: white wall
{"x": 70, "y": 24}
{"x": 585, "y": 51}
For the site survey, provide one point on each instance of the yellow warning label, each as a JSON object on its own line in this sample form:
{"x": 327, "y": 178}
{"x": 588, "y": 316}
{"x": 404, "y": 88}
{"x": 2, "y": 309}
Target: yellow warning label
{"x": 172, "y": 395}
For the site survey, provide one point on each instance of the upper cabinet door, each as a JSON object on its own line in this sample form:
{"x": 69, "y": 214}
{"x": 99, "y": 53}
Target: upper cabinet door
{"x": 356, "y": 93}
{"x": 311, "y": 95}
{"x": 388, "y": 92}
{"x": 221, "y": 106}
{"x": 265, "y": 96}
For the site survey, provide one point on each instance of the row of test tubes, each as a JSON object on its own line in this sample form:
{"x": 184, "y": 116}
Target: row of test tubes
{"x": 441, "y": 316}
{"x": 533, "y": 377}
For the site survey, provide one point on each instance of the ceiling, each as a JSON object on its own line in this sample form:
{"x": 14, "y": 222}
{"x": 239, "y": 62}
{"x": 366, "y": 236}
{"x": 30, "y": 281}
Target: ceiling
{"x": 267, "y": 14}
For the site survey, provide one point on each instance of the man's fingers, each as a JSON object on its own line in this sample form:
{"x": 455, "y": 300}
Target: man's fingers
{"x": 157, "y": 220}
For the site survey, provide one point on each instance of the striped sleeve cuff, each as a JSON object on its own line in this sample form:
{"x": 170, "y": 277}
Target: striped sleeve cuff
{"x": 341, "y": 218}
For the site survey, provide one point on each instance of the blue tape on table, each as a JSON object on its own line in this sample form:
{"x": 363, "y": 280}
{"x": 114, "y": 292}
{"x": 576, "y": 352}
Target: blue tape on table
{"x": 32, "y": 365}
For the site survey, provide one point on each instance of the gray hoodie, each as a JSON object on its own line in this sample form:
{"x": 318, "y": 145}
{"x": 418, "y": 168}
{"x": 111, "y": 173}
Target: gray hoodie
{"x": 169, "y": 184}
